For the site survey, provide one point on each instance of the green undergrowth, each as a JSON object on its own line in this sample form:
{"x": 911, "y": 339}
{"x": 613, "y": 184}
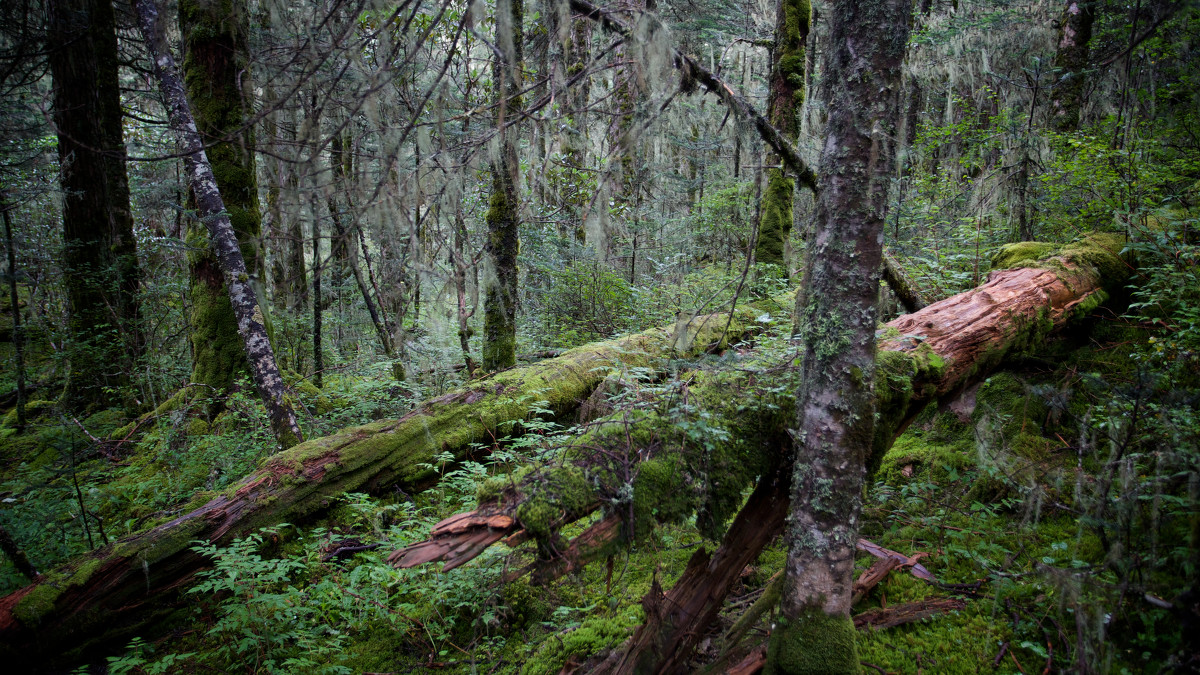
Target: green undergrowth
{"x": 1043, "y": 497}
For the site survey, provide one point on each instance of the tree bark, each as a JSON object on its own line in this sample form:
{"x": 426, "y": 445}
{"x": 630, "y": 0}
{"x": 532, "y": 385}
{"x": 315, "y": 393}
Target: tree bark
{"x": 1071, "y": 59}
{"x": 785, "y": 98}
{"x": 18, "y": 336}
{"x": 836, "y": 398}
{"x": 100, "y": 258}
{"x": 504, "y": 209}
{"x": 212, "y": 212}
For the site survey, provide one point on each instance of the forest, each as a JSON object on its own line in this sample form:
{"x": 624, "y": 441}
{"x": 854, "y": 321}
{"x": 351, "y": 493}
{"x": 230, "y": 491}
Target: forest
{"x": 600, "y": 336}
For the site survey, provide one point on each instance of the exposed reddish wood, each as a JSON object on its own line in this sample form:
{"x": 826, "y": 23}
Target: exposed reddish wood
{"x": 594, "y": 542}
{"x": 665, "y": 641}
{"x": 896, "y": 615}
{"x": 871, "y": 577}
{"x": 752, "y": 664}
{"x": 969, "y": 327}
{"x": 456, "y": 540}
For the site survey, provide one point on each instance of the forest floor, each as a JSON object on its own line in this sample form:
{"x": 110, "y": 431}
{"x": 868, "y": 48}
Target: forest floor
{"x": 1004, "y": 495}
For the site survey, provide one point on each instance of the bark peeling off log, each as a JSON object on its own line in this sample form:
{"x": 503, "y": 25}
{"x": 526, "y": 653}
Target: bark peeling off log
{"x": 897, "y": 615}
{"x": 123, "y": 588}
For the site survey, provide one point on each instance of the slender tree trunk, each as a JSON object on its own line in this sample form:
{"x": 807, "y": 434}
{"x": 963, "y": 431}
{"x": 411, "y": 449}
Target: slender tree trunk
{"x": 503, "y": 216}
{"x": 100, "y": 258}
{"x": 786, "y": 96}
{"x": 213, "y": 213}
{"x": 216, "y": 76}
{"x": 836, "y": 400}
{"x": 18, "y": 337}
{"x": 348, "y": 251}
{"x": 1071, "y": 60}
{"x": 317, "y": 309}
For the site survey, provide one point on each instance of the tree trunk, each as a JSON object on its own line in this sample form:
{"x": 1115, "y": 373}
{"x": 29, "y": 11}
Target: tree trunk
{"x": 100, "y": 258}
{"x": 125, "y": 588}
{"x": 785, "y": 99}
{"x": 215, "y": 75}
{"x": 212, "y": 212}
{"x": 18, "y": 336}
{"x": 503, "y": 216}
{"x": 897, "y": 280}
{"x": 834, "y": 404}
{"x": 1071, "y": 59}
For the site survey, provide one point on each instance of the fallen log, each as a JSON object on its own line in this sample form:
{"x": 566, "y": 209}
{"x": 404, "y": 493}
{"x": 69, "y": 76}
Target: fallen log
{"x": 117, "y": 591}
{"x": 1034, "y": 290}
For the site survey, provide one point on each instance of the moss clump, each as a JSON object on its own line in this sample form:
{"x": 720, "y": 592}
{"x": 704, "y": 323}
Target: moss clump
{"x": 661, "y": 493}
{"x": 815, "y": 643}
{"x": 1022, "y": 254}
{"x": 561, "y": 492}
{"x": 595, "y": 635}
{"x": 33, "y": 410}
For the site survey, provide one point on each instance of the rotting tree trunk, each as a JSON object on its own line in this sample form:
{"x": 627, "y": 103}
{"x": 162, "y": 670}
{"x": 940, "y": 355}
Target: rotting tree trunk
{"x": 211, "y": 209}
{"x": 125, "y": 588}
{"x": 923, "y": 357}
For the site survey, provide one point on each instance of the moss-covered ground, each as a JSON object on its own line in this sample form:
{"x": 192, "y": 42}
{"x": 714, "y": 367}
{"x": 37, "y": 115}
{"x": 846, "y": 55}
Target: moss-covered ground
{"x": 990, "y": 486}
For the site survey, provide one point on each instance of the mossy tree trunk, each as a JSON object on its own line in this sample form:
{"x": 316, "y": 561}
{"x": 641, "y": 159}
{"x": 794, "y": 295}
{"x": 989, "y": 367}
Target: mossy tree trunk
{"x": 100, "y": 257}
{"x": 1071, "y": 60}
{"x": 215, "y": 72}
{"x": 785, "y": 98}
{"x": 504, "y": 209}
{"x": 836, "y": 398}
{"x": 250, "y": 323}
{"x": 125, "y": 588}
{"x": 574, "y": 187}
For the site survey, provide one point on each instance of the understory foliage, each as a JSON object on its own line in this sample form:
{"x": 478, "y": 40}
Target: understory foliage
{"x": 1059, "y": 498}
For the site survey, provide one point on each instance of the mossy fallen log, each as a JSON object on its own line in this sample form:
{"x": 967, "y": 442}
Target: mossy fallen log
{"x": 1034, "y": 290}
{"x": 102, "y": 598}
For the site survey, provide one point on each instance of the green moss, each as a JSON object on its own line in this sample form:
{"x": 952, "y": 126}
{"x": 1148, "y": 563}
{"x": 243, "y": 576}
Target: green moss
{"x": 37, "y": 603}
{"x": 661, "y": 494}
{"x": 595, "y": 635}
{"x": 197, "y": 427}
{"x": 814, "y": 643}
{"x": 34, "y": 409}
{"x": 775, "y": 223}
{"x": 1022, "y": 254}
{"x": 561, "y": 492}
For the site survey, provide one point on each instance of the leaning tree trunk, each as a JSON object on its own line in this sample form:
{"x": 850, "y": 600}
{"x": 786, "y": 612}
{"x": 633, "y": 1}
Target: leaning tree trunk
{"x": 212, "y": 212}
{"x": 125, "y": 588}
{"x": 923, "y": 357}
